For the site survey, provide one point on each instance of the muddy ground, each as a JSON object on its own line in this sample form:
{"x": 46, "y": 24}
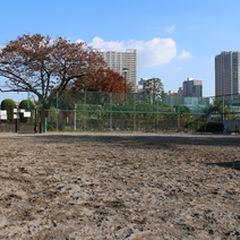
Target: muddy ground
{"x": 136, "y": 187}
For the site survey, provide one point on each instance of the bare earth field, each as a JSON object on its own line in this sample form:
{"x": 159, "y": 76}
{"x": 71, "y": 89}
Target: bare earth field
{"x": 135, "y": 187}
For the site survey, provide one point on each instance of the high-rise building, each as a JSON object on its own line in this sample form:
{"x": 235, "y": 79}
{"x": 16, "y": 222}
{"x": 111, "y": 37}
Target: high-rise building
{"x": 192, "y": 88}
{"x": 227, "y": 73}
{"x": 124, "y": 63}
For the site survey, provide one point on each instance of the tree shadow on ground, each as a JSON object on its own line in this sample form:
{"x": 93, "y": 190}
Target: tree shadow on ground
{"x": 232, "y": 165}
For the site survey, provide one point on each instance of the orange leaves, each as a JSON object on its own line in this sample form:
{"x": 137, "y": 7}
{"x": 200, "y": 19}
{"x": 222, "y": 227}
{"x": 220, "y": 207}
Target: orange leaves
{"x": 102, "y": 80}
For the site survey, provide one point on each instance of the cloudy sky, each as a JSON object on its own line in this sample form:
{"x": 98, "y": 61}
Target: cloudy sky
{"x": 175, "y": 39}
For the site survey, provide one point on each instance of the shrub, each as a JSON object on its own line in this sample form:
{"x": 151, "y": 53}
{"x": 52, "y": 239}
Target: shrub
{"x": 26, "y": 104}
{"x": 8, "y": 104}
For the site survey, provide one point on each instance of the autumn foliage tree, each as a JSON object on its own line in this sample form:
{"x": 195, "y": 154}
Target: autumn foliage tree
{"x": 45, "y": 66}
{"x": 102, "y": 80}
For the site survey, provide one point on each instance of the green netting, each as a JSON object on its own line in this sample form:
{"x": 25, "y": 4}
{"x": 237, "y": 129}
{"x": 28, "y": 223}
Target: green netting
{"x": 71, "y": 110}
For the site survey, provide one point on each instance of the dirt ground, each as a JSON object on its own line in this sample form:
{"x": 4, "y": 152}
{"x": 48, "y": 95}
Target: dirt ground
{"x": 135, "y": 187}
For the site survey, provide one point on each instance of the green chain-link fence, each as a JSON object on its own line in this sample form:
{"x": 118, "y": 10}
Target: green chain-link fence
{"x": 94, "y": 111}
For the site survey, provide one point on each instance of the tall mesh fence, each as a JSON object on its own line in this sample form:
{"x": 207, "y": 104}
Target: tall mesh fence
{"x": 94, "y": 111}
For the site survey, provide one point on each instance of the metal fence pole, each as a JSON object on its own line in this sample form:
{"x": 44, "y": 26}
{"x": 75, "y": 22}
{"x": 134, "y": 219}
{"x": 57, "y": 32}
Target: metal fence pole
{"x": 178, "y": 120}
{"x": 86, "y": 113}
{"x": 45, "y": 121}
{"x": 134, "y": 115}
{"x": 223, "y": 109}
{"x": 111, "y": 127}
{"x": 157, "y": 118}
{"x": 57, "y": 113}
{"x": 75, "y": 118}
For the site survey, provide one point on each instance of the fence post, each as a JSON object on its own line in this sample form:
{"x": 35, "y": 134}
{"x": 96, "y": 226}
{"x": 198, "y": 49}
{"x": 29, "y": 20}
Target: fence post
{"x": 157, "y": 118}
{"x": 178, "y": 120}
{"x": 57, "y": 112}
{"x": 134, "y": 115}
{"x": 35, "y": 120}
{"x": 75, "y": 118}
{"x": 45, "y": 121}
{"x": 111, "y": 111}
{"x": 16, "y": 119}
{"x": 223, "y": 117}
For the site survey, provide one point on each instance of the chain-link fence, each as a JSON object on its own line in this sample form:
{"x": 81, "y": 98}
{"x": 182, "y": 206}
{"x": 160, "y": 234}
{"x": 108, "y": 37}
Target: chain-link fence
{"x": 120, "y": 121}
{"x": 94, "y": 111}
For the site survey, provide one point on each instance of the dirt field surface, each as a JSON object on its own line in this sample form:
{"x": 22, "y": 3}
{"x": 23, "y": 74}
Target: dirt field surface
{"x": 106, "y": 186}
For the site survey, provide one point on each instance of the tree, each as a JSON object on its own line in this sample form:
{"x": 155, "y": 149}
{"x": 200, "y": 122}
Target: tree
{"x": 26, "y": 104}
{"x": 8, "y": 105}
{"x": 154, "y": 88}
{"x": 219, "y": 107}
{"x": 45, "y": 66}
{"x": 102, "y": 80}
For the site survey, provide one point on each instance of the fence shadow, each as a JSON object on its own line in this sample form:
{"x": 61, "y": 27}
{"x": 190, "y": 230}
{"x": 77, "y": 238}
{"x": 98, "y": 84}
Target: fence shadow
{"x": 232, "y": 165}
{"x": 139, "y": 141}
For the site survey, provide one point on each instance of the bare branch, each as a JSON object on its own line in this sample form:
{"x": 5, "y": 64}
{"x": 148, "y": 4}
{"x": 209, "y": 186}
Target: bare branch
{"x": 43, "y": 66}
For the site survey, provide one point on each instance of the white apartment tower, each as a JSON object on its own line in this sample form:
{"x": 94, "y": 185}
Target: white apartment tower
{"x": 227, "y": 73}
{"x": 125, "y": 63}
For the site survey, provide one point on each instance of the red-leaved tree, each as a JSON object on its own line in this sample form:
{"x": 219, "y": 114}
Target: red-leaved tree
{"x": 102, "y": 80}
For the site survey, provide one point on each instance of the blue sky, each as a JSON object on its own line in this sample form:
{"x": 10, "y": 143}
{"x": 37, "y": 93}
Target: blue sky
{"x": 175, "y": 39}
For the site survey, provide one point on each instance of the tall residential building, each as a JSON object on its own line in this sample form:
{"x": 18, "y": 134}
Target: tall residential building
{"x": 227, "y": 73}
{"x": 192, "y": 88}
{"x": 124, "y": 63}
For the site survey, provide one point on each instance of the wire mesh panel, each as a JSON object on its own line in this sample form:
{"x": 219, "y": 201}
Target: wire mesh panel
{"x": 97, "y": 111}
{"x": 99, "y": 120}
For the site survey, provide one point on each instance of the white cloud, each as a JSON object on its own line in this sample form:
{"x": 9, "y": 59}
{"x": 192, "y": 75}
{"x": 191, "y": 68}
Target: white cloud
{"x": 155, "y": 52}
{"x": 185, "y": 55}
{"x": 170, "y": 29}
{"x": 80, "y": 41}
{"x": 100, "y": 43}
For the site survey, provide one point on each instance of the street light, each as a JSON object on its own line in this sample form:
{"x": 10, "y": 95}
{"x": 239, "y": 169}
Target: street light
{"x": 125, "y": 71}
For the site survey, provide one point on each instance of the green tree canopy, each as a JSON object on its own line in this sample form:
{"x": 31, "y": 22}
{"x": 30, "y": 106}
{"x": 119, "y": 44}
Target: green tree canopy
{"x": 26, "y": 104}
{"x": 218, "y": 106}
{"x": 154, "y": 88}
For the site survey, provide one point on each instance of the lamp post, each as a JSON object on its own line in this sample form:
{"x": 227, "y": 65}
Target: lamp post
{"x": 125, "y": 71}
